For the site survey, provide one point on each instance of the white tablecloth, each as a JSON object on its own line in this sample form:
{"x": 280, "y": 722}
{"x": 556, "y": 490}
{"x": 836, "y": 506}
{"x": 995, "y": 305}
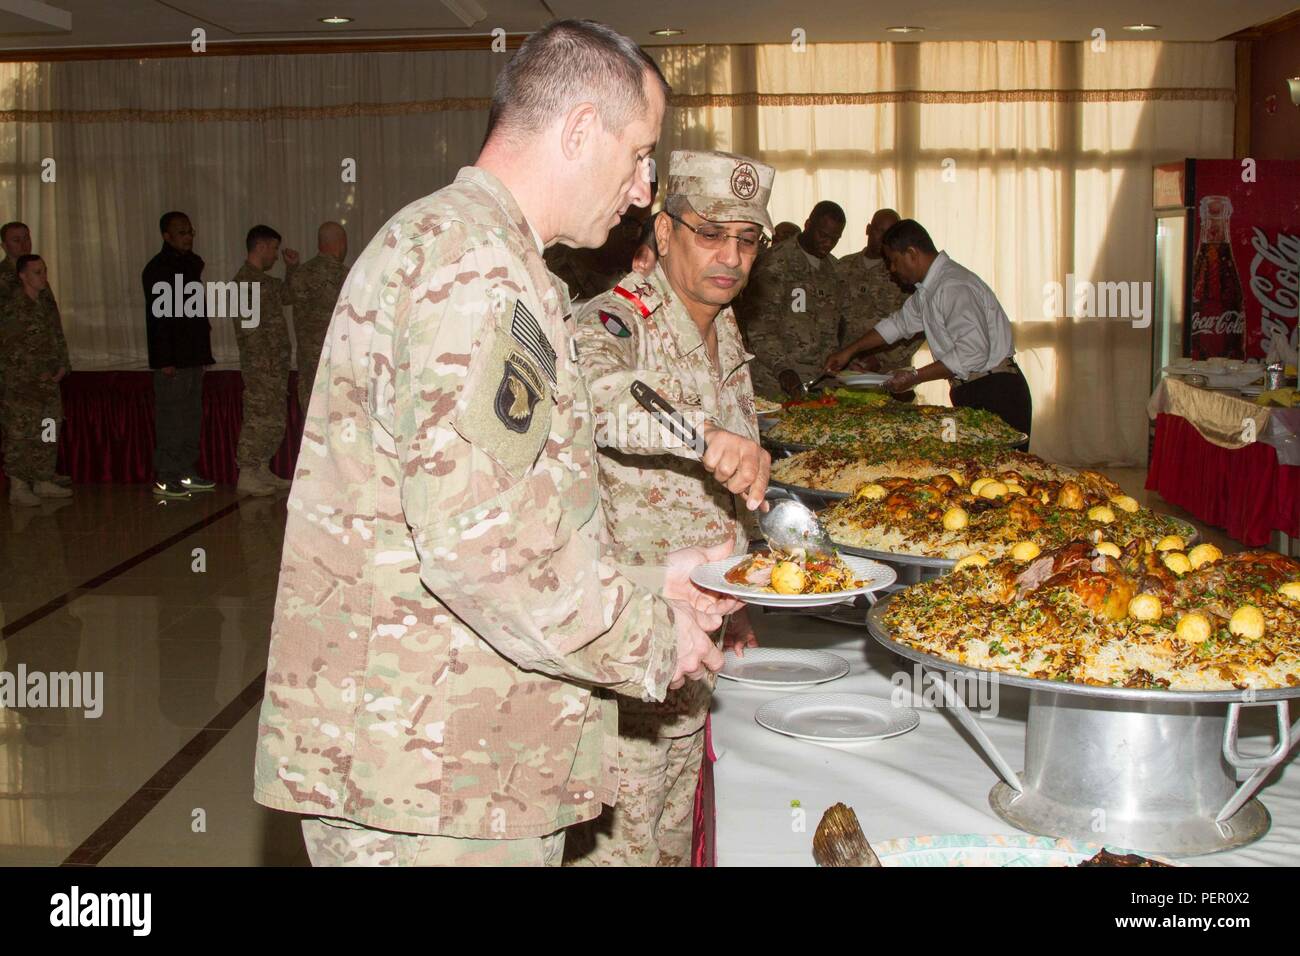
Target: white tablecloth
{"x": 933, "y": 780}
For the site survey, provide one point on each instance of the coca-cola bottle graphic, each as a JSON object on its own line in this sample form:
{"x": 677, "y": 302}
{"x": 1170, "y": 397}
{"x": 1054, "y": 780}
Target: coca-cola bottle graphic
{"x": 1218, "y": 313}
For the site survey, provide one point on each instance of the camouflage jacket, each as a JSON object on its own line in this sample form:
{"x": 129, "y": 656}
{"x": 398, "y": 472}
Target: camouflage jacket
{"x": 265, "y": 345}
{"x": 790, "y": 315}
{"x": 315, "y": 287}
{"x": 655, "y": 494}
{"x": 869, "y": 294}
{"x": 443, "y": 610}
{"x": 31, "y": 343}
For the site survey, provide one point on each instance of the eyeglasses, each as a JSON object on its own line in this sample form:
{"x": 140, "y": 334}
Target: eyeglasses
{"x": 709, "y": 236}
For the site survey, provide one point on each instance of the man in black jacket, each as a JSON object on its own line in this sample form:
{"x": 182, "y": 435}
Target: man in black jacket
{"x": 179, "y": 348}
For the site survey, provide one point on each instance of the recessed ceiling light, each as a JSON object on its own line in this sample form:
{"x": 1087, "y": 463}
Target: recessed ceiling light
{"x": 904, "y": 29}
{"x": 1142, "y": 27}
{"x": 335, "y": 21}
{"x": 667, "y": 32}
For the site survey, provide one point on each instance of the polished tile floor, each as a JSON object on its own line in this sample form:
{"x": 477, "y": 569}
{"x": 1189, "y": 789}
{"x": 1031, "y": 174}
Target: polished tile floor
{"x": 172, "y": 603}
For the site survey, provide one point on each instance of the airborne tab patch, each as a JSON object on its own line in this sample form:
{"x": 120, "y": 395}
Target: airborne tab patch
{"x": 614, "y": 325}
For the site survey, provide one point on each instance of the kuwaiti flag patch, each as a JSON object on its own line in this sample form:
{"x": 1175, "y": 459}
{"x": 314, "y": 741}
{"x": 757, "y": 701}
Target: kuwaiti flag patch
{"x": 614, "y": 325}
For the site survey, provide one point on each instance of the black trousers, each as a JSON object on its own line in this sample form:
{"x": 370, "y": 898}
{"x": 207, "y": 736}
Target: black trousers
{"x": 178, "y": 418}
{"x": 1005, "y": 394}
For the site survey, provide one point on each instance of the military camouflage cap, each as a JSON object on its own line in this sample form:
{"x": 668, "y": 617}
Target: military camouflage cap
{"x": 722, "y": 187}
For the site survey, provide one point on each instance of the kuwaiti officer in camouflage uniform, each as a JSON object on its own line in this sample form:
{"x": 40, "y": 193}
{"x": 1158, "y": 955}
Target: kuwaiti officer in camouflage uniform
{"x": 675, "y": 331}
{"x": 444, "y": 612}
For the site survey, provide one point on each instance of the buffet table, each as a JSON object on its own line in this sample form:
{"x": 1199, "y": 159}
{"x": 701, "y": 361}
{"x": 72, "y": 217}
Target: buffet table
{"x": 1201, "y": 462}
{"x": 933, "y": 780}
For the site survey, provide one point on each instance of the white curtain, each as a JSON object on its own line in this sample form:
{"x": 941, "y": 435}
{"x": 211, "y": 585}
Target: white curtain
{"x": 1027, "y": 161}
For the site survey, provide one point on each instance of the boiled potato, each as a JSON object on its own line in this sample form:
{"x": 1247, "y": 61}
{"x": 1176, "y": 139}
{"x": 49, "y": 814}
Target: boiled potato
{"x": 1125, "y": 503}
{"x": 1203, "y": 554}
{"x": 1171, "y": 542}
{"x": 1108, "y": 548}
{"x": 788, "y": 578}
{"x": 1015, "y": 489}
{"x": 1101, "y": 514}
{"x": 1177, "y": 562}
{"x": 954, "y": 519}
{"x": 994, "y": 489}
{"x": 1290, "y": 590}
{"x": 872, "y": 492}
{"x": 1026, "y": 551}
{"x": 1248, "y": 622}
{"x": 1145, "y": 607}
{"x": 958, "y": 477}
{"x": 977, "y": 484}
{"x": 971, "y": 561}
{"x": 1194, "y": 628}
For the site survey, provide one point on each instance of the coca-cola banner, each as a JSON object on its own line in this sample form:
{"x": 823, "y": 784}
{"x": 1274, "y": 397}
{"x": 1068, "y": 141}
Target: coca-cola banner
{"x": 1244, "y": 283}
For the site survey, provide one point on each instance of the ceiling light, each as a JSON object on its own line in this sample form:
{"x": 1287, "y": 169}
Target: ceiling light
{"x": 667, "y": 32}
{"x": 1142, "y": 27}
{"x": 335, "y": 21}
{"x": 1294, "y": 83}
{"x": 904, "y": 29}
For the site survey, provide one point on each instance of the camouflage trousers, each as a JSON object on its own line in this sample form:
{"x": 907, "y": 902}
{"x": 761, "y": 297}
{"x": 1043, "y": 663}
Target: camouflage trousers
{"x": 265, "y": 398}
{"x": 332, "y": 842}
{"x": 651, "y": 823}
{"x": 26, "y": 418}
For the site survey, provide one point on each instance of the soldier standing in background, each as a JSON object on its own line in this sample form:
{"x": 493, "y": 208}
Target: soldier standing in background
{"x": 315, "y": 288}
{"x": 790, "y": 312}
{"x": 264, "y": 355}
{"x": 784, "y": 231}
{"x": 180, "y": 347}
{"x": 444, "y": 612}
{"x": 870, "y": 293}
{"x": 674, "y": 330}
{"x": 34, "y": 356}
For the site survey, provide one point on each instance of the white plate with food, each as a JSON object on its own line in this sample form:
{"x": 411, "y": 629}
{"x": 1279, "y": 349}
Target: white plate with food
{"x": 766, "y": 408}
{"x": 864, "y": 378}
{"x": 793, "y": 579}
{"x": 836, "y": 718}
{"x": 783, "y": 667}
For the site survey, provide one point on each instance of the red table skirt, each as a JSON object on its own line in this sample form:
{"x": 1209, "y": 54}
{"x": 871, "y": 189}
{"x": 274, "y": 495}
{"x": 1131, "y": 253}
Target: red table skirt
{"x": 109, "y": 427}
{"x": 704, "y": 846}
{"x": 1243, "y": 490}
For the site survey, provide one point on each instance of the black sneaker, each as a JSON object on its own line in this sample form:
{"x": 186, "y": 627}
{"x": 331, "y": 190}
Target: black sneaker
{"x": 195, "y": 483}
{"x": 169, "y": 489}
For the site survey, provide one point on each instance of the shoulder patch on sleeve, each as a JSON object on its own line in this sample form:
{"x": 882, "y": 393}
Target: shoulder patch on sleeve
{"x": 614, "y": 325}
{"x": 528, "y": 333}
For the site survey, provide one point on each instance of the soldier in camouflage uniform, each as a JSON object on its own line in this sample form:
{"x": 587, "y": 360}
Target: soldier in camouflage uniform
{"x": 33, "y": 361}
{"x": 674, "y": 330}
{"x": 264, "y": 355}
{"x": 444, "y": 614}
{"x": 791, "y": 310}
{"x": 315, "y": 288}
{"x": 870, "y": 294}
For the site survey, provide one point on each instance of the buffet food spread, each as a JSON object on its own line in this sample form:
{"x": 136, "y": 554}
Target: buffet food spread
{"x": 1077, "y": 615}
{"x": 930, "y": 429}
{"x": 992, "y": 516}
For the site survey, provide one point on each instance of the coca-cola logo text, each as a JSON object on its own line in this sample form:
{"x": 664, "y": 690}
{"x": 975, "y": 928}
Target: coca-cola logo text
{"x": 1225, "y": 323}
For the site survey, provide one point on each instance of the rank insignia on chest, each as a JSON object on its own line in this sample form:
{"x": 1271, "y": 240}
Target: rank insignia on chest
{"x": 518, "y": 394}
{"x": 614, "y": 325}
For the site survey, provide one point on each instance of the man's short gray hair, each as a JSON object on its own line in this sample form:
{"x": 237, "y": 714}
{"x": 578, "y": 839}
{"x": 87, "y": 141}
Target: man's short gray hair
{"x": 570, "y": 62}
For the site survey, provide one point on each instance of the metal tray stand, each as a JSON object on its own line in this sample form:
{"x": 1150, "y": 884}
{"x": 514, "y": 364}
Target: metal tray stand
{"x": 1149, "y": 769}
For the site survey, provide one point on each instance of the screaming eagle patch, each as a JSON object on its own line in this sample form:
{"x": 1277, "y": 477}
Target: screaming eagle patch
{"x": 614, "y": 325}
{"x": 518, "y": 394}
